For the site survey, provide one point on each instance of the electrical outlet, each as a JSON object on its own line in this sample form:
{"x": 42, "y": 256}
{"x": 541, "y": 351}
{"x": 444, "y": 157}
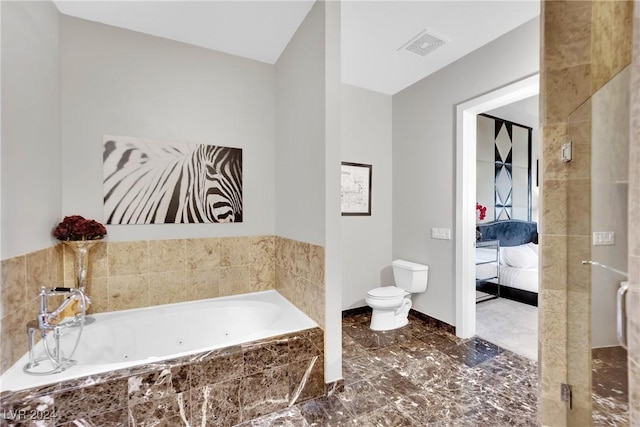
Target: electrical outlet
{"x": 441, "y": 233}
{"x": 601, "y": 238}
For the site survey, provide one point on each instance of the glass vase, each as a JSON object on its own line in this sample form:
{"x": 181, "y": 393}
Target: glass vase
{"x": 80, "y": 249}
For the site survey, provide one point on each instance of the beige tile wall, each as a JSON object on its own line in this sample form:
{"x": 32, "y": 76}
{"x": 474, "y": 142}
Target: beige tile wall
{"x": 22, "y": 278}
{"x": 633, "y": 301}
{"x": 300, "y": 276}
{"x": 584, "y": 44}
{"x": 125, "y": 275}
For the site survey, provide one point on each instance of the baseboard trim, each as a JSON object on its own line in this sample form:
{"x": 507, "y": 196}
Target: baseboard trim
{"x": 431, "y": 321}
{"x": 355, "y": 311}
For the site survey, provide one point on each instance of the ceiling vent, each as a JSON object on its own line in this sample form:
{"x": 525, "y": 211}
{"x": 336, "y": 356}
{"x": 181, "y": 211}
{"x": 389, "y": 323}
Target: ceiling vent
{"x": 423, "y": 44}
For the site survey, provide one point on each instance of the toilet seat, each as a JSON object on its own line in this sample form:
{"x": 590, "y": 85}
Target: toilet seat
{"x": 386, "y": 293}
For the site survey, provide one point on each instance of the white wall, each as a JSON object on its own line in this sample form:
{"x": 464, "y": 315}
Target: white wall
{"x": 119, "y": 82}
{"x": 308, "y": 154}
{"x": 366, "y": 240}
{"x": 31, "y": 174}
{"x": 424, "y": 155}
{"x": 333, "y": 228}
{"x": 300, "y": 133}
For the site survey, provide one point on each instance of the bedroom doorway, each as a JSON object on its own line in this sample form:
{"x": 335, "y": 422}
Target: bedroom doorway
{"x": 466, "y": 193}
{"x": 507, "y": 196}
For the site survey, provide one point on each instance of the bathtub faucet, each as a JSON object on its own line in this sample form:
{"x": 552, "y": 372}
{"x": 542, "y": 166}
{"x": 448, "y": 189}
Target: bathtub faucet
{"x": 51, "y": 326}
{"x": 48, "y": 320}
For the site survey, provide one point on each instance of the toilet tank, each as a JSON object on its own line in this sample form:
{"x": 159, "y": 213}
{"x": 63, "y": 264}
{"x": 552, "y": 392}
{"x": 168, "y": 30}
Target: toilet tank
{"x": 410, "y": 276}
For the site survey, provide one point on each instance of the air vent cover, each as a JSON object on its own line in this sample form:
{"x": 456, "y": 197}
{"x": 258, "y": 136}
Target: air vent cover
{"x": 423, "y": 44}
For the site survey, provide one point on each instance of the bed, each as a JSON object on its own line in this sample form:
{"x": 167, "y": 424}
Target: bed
{"x": 507, "y": 260}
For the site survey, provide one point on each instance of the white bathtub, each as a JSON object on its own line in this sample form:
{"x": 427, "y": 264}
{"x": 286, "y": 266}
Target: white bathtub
{"x": 122, "y": 339}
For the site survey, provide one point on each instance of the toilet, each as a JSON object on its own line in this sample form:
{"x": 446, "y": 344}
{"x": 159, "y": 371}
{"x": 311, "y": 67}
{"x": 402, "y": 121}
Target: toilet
{"x": 391, "y": 304}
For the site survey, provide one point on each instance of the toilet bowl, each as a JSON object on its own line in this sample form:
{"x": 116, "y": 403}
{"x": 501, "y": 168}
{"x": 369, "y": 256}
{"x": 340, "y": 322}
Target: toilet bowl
{"x": 391, "y": 304}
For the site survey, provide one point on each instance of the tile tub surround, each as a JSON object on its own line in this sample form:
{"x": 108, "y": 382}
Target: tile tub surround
{"x": 222, "y": 387}
{"x": 136, "y": 274}
{"x": 21, "y": 279}
{"x": 300, "y": 276}
{"x": 124, "y": 275}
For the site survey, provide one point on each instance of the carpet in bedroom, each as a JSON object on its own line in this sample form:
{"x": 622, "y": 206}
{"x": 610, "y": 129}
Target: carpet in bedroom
{"x": 509, "y": 324}
{"x": 483, "y": 296}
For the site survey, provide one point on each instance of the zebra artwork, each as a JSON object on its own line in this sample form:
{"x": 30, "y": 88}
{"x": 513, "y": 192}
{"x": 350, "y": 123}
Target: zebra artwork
{"x": 153, "y": 182}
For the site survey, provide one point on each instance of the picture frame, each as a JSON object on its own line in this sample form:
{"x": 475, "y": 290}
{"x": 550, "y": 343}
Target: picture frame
{"x": 355, "y": 189}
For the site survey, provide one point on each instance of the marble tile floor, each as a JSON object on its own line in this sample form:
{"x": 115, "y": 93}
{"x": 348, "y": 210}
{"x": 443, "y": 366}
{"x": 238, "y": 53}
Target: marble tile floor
{"x": 610, "y": 387}
{"x": 420, "y": 375}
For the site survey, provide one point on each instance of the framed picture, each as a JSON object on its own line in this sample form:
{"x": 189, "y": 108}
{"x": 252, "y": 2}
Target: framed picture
{"x": 355, "y": 194}
{"x": 148, "y": 181}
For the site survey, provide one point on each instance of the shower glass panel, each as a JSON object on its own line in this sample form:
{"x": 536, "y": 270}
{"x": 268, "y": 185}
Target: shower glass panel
{"x": 609, "y": 217}
{"x": 596, "y": 197}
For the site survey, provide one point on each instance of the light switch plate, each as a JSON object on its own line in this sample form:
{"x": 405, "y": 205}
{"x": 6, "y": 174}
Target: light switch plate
{"x": 441, "y": 233}
{"x": 601, "y": 238}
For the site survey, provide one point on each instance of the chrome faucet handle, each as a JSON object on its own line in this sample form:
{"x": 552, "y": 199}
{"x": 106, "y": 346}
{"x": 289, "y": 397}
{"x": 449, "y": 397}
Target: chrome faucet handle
{"x": 46, "y": 317}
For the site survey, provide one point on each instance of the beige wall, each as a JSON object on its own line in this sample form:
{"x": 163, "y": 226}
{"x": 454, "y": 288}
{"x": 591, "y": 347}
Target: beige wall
{"x": 584, "y": 44}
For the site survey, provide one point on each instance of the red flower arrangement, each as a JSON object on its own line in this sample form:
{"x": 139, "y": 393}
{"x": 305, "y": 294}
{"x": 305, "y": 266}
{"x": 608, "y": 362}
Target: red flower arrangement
{"x": 75, "y": 227}
{"x": 482, "y": 209}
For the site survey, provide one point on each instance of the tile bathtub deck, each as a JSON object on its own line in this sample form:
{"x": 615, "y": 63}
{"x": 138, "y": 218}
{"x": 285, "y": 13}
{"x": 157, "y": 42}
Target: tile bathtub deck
{"x": 419, "y": 375}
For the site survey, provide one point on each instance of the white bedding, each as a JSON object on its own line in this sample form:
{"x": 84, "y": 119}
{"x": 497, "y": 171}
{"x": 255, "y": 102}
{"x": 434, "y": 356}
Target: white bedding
{"x": 519, "y": 278}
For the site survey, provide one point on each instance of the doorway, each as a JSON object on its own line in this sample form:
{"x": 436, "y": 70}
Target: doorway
{"x": 466, "y": 193}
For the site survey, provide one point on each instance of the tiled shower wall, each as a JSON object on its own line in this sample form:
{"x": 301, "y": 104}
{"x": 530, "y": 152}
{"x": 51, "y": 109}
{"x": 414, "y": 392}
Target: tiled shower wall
{"x": 584, "y": 44}
{"x": 125, "y": 275}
